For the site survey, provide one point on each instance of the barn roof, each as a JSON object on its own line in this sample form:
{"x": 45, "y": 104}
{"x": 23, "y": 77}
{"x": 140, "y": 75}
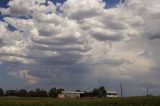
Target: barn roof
{"x": 111, "y": 92}
{"x": 73, "y": 92}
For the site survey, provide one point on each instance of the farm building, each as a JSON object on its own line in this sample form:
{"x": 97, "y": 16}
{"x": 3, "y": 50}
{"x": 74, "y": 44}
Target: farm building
{"x": 111, "y": 94}
{"x": 70, "y": 94}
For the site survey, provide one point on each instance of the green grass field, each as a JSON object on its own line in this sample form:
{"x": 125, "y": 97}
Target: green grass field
{"x": 133, "y": 101}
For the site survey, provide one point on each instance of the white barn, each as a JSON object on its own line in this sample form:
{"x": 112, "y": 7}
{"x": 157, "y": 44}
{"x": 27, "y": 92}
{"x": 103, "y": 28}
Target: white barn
{"x": 112, "y": 94}
{"x": 70, "y": 94}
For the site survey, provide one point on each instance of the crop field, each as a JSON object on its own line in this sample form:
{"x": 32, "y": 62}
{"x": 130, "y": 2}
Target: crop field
{"x": 132, "y": 101}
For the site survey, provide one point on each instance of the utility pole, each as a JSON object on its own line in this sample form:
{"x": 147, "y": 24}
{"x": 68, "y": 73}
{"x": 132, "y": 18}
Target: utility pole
{"x": 147, "y": 92}
{"x": 121, "y": 88}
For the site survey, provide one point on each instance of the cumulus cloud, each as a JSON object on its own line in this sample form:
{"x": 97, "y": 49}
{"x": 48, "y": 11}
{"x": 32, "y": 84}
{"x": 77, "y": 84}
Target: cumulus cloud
{"x": 61, "y": 44}
{"x": 23, "y": 74}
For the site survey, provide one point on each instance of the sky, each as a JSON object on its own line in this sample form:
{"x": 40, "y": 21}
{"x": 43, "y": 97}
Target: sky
{"x": 80, "y": 44}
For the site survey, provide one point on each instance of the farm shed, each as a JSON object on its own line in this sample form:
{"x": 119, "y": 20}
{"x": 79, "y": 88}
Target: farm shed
{"x": 111, "y": 94}
{"x": 70, "y": 94}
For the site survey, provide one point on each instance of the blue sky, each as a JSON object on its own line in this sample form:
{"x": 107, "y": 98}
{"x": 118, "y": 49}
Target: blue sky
{"x": 3, "y": 3}
{"x": 83, "y": 47}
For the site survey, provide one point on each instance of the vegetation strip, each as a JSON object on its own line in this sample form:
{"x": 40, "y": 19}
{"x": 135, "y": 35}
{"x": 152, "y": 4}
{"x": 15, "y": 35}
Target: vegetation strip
{"x": 130, "y": 101}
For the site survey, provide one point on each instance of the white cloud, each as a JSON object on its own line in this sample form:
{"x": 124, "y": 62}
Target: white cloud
{"x": 27, "y": 8}
{"x": 83, "y": 9}
{"x": 3, "y": 28}
{"x": 24, "y": 75}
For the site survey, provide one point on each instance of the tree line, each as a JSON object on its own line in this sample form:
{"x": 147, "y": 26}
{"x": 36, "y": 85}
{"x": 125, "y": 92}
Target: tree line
{"x": 53, "y": 92}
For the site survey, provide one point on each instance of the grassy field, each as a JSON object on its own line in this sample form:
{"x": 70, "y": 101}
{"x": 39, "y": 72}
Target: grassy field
{"x": 133, "y": 101}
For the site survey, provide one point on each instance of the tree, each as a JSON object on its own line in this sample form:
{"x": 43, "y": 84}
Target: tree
{"x": 53, "y": 92}
{"x": 1, "y": 92}
{"x": 22, "y": 93}
{"x": 59, "y": 91}
{"x": 11, "y": 92}
{"x": 31, "y": 93}
{"x": 102, "y": 91}
{"x": 40, "y": 93}
{"x": 44, "y": 93}
{"x": 95, "y": 92}
{"x": 99, "y": 92}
